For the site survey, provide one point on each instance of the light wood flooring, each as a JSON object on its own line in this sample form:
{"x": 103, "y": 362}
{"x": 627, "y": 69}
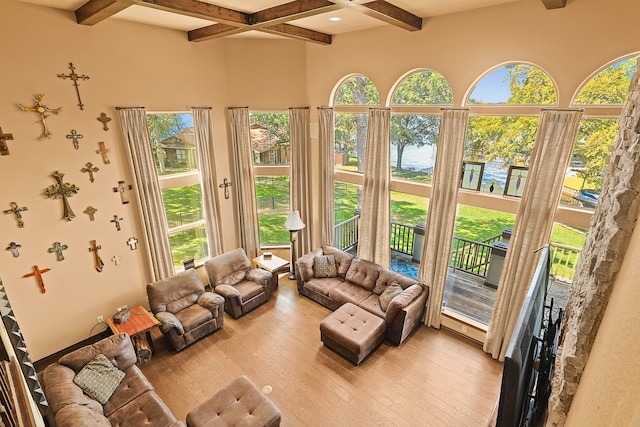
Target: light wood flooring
{"x": 434, "y": 378}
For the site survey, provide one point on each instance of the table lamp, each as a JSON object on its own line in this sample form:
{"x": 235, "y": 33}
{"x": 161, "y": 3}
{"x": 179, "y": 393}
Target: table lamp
{"x": 293, "y": 224}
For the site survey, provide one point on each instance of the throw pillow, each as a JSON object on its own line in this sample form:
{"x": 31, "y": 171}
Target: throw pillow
{"x": 325, "y": 266}
{"x": 99, "y": 378}
{"x": 389, "y": 293}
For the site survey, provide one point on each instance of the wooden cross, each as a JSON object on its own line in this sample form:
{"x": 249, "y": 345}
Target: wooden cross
{"x": 226, "y": 184}
{"x": 104, "y": 120}
{"x": 58, "y": 248}
{"x": 43, "y": 111}
{"x": 116, "y": 259}
{"x": 116, "y": 219}
{"x": 90, "y": 169}
{"x": 4, "y": 137}
{"x": 96, "y": 257}
{"x": 15, "y": 209}
{"x": 73, "y": 76}
{"x": 103, "y": 150}
{"x": 13, "y": 247}
{"x": 75, "y": 136}
{"x": 133, "y": 243}
{"x": 38, "y": 273}
{"x": 62, "y": 190}
{"x": 122, "y": 189}
{"x": 90, "y": 210}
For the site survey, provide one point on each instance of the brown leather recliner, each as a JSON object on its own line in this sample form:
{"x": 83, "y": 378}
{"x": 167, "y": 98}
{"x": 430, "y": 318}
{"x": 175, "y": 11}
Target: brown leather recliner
{"x": 244, "y": 288}
{"x": 185, "y": 311}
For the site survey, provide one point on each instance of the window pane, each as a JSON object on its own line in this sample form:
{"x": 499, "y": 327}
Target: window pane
{"x": 272, "y": 197}
{"x": 270, "y": 138}
{"x": 172, "y": 143}
{"x": 351, "y": 141}
{"x": 408, "y": 217}
{"x": 515, "y": 84}
{"x": 182, "y": 205}
{"x": 610, "y": 86}
{"x": 271, "y": 227}
{"x": 423, "y": 88}
{"x": 357, "y": 90}
{"x": 188, "y": 243}
{"x": 413, "y": 146}
{"x": 347, "y": 212}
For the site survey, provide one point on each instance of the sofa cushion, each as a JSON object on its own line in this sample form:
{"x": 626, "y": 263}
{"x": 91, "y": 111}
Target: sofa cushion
{"x": 146, "y": 410}
{"x": 323, "y": 285}
{"x": 176, "y": 292}
{"x": 325, "y": 266}
{"x": 117, "y": 348}
{"x": 248, "y": 290}
{"x": 131, "y": 387}
{"x": 76, "y": 415}
{"x": 62, "y": 392}
{"x": 343, "y": 259}
{"x": 372, "y": 305}
{"x": 363, "y": 273}
{"x": 392, "y": 290}
{"x": 99, "y": 378}
{"x": 387, "y": 276}
{"x": 193, "y": 316}
{"x": 348, "y": 292}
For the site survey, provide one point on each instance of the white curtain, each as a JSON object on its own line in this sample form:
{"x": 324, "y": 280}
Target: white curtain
{"x": 135, "y": 132}
{"x": 327, "y": 145}
{"x": 534, "y": 222}
{"x": 244, "y": 184}
{"x": 374, "y": 242}
{"x": 441, "y": 218}
{"x": 299, "y": 175}
{"x": 203, "y": 127}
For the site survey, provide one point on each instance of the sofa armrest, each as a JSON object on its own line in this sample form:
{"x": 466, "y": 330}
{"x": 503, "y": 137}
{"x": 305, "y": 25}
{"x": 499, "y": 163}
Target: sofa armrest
{"x": 169, "y": 321}
{"x": 211, "y": 301}
{"x": 402, "y": 300}
{"x": 260, "y": 276}
{"x": 228, "y": 291}
{"x": 304, "y": 265}
{"x": 409, "y": 317}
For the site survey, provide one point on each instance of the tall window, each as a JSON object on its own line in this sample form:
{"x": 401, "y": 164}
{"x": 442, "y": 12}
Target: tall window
{"x": 270, "y": 142}
{"x": 174, "y": 152}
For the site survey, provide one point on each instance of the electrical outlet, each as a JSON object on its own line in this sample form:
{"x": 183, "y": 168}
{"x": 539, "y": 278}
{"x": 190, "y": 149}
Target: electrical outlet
{"x": 100, "y": 319}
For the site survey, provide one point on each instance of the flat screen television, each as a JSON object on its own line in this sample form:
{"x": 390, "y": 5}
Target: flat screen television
{"x": 519, "y": 375}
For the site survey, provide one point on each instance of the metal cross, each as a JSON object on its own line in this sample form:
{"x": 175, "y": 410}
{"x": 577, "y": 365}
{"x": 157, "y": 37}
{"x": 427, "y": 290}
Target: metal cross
{"x": 15, "y": 209}
{"x": 96, "y": 257}
{"x": 13, "y": 247}
{"x": 90, "y": 169}
{"x": 4, "y": 137}
{"x": 74, "y": 76}
{"x": 104, "y": 120}
{"x": 91, "y": 211}
{"x": 103, "y": 150}
{"x": 62, "y": 190}
{"x": 75, "y": 136}
{"x": 116, "y": 219}
{"x": 133, "y": 242}
{"x": 43, "y": 111}
{"x": 122, "y": 189}
{"x": 116, "y": 259}
{"x": 58, "y": 248}
{"x": 38, "y": 273}
{"x": 226, "y": 184}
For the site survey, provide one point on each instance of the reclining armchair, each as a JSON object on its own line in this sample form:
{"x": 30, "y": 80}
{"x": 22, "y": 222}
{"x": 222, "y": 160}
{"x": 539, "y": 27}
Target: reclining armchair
{"x": 244, "y": 288}
{"x": 185, "y": 311}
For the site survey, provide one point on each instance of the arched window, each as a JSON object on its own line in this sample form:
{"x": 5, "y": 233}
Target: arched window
{"x": 515, "y": 84}
{"x": 423, "y": 88}
{"x": 609, "y": 86}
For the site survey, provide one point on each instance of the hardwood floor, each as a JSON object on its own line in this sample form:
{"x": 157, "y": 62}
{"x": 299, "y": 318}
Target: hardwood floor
{"x": 434, "y": 378}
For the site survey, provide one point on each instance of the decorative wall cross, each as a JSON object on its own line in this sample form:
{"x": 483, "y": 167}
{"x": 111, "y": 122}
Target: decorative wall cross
{"x": 43, "y": 111}
{"x": 90, "y": 210}
{"x": 226, "y": 184}
{"x": 75, "y": 136}
{"x": 58, "y": 248}
{"x": 74, "y": 77}
{"x": 96, "y": 257}
{"x": 122, "y": 189}
{"x": 15, "y": 209}
{"x": 90, "y": 169}
{"x": 104, "y": 119}
{"x": 133, "y": 243}
{"x": 116, "y": 259}
{"x": 38, "y": 273}
{"x": 103, "y": 150}
{"x": 4, "y": 137}
{"x": 13, "y": 247}
{"x": 116, "y": 219}
{"x": 62, "y": 190}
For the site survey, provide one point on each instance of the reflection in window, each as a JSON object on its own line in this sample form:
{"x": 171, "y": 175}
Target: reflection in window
{"x": 270, "y": 138}
{"x": 515, "y": 84}
{"x": 173, "y": 143}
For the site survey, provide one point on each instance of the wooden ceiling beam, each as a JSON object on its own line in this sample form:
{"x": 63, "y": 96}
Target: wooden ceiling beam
{"x": 554, "y": 4}
{"x": 391, "y": 14}
{"x": 293, "y": 10}
{"x": 199, "y": 9}
{"x": 95, "y": 11}
{"x": 299, "y": 33}
{"x": 214, "y": 31}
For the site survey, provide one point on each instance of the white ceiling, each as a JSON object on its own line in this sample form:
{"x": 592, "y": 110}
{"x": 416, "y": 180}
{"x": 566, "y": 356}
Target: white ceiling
{"x": 350, "y": 20}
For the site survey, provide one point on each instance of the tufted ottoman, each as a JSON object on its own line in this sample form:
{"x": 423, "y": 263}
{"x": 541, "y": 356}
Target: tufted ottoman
{"x": 239, "y": 403}
{"x": 352, "y": 332}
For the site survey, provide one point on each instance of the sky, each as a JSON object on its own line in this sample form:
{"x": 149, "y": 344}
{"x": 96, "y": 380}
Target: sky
{"x": 492, "y": 88}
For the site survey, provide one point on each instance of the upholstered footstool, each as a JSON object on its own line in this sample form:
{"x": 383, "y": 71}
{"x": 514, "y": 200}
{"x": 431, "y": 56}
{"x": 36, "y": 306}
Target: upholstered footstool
{"x": 352, "y": 332}
{"x": 239, "y": 403}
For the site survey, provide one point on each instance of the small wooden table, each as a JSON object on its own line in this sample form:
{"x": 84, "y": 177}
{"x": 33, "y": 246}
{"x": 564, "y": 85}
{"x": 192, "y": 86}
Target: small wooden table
{"x": 275, "y": 265}
{"x": 138, "y": 326}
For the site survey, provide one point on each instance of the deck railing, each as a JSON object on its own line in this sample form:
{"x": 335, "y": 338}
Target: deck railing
{"x": 346, "y": 233}
{"x": 470, "y": 257}
{"x": 402, "y": 238}
{"x": 564, "y": 260}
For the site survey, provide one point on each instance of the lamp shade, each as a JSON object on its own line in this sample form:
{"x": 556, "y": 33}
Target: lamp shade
{"x": 293, "y": 222}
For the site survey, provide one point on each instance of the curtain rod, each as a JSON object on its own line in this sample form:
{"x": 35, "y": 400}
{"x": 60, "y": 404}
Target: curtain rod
{"x": 204, "y": 108}
{"x": 127, "y": 108}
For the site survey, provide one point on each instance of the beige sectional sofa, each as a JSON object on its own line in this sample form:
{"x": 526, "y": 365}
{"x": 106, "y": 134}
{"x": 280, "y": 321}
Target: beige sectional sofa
{"x": 362, "y": 283}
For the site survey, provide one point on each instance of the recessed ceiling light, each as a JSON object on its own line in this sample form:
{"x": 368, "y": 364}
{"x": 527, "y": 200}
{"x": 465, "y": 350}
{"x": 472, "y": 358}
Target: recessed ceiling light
{"x": 335, "y": 19}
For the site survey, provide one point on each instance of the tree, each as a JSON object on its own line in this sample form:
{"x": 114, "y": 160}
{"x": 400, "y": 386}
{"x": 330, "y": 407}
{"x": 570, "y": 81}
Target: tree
{"x": 161, "y": 127}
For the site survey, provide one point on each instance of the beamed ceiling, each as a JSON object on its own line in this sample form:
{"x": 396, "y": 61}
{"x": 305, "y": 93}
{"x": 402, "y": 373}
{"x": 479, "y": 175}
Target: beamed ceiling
{"x": 307, "y": 20}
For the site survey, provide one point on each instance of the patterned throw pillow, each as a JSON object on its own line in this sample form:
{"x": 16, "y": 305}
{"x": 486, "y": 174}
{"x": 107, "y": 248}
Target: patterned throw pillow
{"x": 325, "y": 266}
{"x": 99, "y": 378}
{"x": 389, "y": 293}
